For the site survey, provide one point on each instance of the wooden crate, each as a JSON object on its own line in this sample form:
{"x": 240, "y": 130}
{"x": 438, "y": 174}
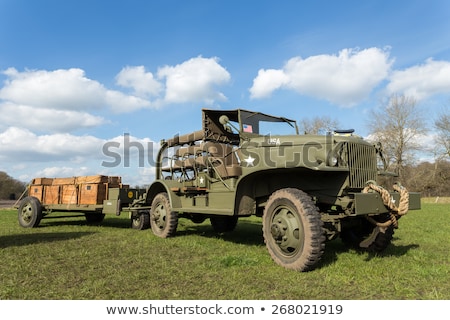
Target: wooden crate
{"x": 62, "y": 181}
{"x": 36, "y": 191}
{"x": 92, "y": 193}
{"x": 69, "y": 194}
{"x": 51, "y": 194}
{"x": 43, "y": 181}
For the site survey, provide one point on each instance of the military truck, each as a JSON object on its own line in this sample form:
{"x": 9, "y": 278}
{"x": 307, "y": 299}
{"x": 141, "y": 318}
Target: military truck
{"x": 308, "y": 189}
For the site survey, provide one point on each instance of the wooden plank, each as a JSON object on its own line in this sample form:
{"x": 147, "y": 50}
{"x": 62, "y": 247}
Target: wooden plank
{"x": 62, "y": 181}
{"x": 51, "y": 194}
{"x": 91, "y": 179}
{"x": 43, "y": 181}
{"x": 69, "y": 194}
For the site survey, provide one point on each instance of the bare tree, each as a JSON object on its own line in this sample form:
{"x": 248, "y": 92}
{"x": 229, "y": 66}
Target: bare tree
{"x": 398, "y": 124}
{"x": 442, "y": 125}
{"x": 318, "y": 125}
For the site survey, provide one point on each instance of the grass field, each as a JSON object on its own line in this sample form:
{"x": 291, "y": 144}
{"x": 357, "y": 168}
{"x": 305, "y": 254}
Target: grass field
{"x": 65, "y": 258}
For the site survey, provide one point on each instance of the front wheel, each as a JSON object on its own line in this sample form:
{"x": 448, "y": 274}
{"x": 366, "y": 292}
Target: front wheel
{"x": 163, "y": 220}
{"x": 29, "y": 212}
{"x": 292, "y": 230}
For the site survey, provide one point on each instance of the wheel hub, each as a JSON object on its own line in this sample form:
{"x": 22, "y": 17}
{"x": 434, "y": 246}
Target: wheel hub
{"x": 159, "y": 216}
{"x": 286, "y": 231}
{"x": 27, "y": 213}
{"x": 278, "y": 231}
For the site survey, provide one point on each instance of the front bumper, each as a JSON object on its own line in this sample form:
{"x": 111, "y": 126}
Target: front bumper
{"x": 372, "y": 203}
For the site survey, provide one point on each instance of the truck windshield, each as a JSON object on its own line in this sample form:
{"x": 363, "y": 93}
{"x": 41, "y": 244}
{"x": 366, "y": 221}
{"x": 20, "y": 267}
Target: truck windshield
{"x": 258, "y": 123}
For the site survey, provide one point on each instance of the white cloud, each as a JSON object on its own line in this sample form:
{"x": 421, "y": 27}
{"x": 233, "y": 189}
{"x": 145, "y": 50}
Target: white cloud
{"x": 59, "y": 89}
{"x": 194, "y": 80}
{"x": 70, "y": 93}
{"x": 421, "y": 81}
{"x": 345, "y": 79}
{"x": 18, "y": 145}
{"x": 268, "y": 81}
{"x": 64, "y": 90}
{"x": 122, "y": 103}
{"x": 37, "y": 119}
{"x": 63, "y": 155}
{"x": 143, "y": 83}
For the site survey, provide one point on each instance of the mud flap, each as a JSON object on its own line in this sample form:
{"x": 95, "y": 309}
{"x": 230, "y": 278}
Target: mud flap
{"x": 372, "y": 237}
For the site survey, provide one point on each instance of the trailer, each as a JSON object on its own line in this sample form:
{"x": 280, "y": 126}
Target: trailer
{"x": 93, "y": 196}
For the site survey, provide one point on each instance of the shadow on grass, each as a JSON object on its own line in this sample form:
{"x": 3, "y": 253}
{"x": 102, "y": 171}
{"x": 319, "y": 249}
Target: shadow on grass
{"x": 393, "y": 251}
{"x": 35, "y": 238}
{"x": 250, "y": 233}
{"x": 80, "y": 220}
{"x": 336, "y": 247}
{"x": 333, "y": 249}
{"x": 246, "y": 232}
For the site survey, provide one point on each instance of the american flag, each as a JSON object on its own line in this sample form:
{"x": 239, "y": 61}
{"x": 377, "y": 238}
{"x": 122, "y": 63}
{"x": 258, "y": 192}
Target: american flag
{"x": 248, "y": 128}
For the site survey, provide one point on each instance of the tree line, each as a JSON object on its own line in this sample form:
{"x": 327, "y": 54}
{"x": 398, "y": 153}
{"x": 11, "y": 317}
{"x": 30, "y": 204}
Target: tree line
{"x": 10, "y": 188}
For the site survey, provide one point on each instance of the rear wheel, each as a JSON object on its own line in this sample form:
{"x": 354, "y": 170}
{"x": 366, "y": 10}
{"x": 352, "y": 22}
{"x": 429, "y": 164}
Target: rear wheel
{"x": 141, "y": 221}
{"x": 292, "y": 230}
{"x": 163, "y": 220}
{"x": 29, "y": 212}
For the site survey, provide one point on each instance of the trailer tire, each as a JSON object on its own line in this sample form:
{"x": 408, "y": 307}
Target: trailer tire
{"x": 163, "y": 220}
{"x": 29, "y": 212}
{"x": 141, "y": 221}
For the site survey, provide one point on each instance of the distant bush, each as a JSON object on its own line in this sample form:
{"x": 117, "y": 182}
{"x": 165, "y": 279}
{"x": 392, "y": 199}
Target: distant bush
{"x": 10, "y": 188}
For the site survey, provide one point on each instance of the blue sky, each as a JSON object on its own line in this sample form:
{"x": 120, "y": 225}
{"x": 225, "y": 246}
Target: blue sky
{"x": 75, "y": 75}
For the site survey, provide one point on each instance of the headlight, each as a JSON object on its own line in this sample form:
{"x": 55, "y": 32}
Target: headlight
{"x": 332, "y": 160}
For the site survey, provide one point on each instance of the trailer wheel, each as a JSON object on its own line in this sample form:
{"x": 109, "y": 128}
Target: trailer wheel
{"x": 92, "y": 217}
{"x": 141, "y": 221}
{"x": 163, "y": 220}
{"x": 29, "y": 212}
{"x": 222, "y": 224}
{"x": 292, "y": 230}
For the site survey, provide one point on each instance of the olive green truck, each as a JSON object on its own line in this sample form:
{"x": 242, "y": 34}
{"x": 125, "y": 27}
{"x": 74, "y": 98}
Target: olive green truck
{"x": 308, "y": 189}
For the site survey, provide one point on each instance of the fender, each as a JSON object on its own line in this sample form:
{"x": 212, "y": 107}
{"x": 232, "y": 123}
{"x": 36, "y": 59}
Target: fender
{"x": 159, "y": 186}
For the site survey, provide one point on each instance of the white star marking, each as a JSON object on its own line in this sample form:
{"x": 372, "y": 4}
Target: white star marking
{"x": 202, "y": 180}
{"x": 249, "y": 161}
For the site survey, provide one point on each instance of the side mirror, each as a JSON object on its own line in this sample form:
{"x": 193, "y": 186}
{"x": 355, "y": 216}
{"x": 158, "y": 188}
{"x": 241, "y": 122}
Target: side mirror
{"x": 224, "y": 120}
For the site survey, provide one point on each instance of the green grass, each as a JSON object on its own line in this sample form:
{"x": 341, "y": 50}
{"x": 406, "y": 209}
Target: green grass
{"x": 67, "y": 259}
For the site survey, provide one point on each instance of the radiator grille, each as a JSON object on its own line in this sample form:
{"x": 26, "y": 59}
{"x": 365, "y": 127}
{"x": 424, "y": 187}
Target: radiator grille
{"x": 362, "y": 162}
